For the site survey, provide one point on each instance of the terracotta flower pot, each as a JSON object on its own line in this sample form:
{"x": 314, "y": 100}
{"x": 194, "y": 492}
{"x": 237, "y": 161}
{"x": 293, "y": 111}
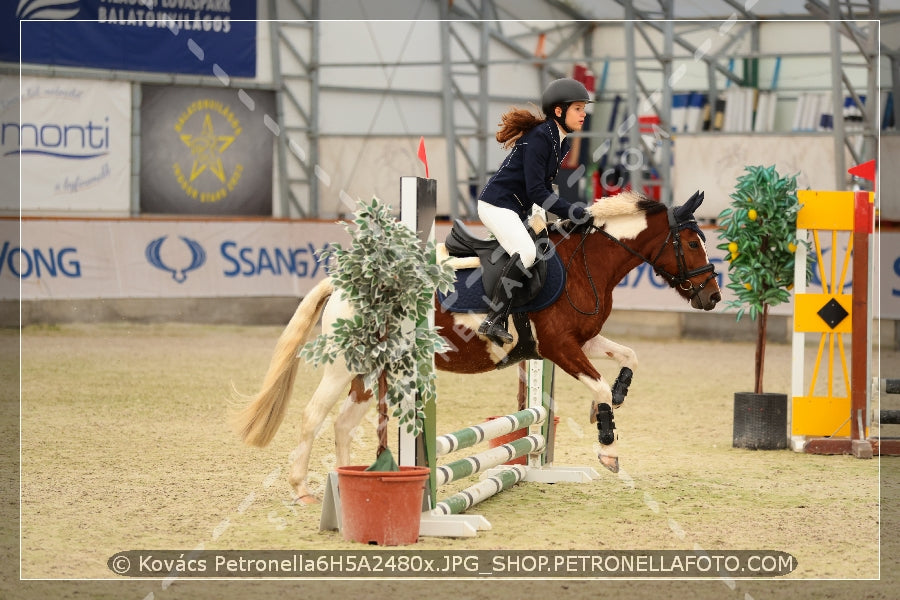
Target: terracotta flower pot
{"x": 381, "y": 507}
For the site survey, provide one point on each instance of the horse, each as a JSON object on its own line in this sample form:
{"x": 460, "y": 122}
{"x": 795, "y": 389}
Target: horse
{"x": 625, "y": 231}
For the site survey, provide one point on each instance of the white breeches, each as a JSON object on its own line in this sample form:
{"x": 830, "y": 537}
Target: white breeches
{"x": 509, "y": 231}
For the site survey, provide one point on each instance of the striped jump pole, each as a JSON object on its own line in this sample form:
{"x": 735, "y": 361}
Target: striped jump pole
{"x": 477, "y": 463}
{"x": 470, "y": 436}
{"x": 484, "y": 489}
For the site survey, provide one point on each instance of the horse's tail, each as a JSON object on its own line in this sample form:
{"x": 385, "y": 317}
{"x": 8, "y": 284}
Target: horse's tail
{"x": 258, "y": 421}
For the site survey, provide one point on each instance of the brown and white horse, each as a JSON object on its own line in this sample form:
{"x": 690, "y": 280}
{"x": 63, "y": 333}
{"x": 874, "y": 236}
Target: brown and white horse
{"x": 626, "y": 231}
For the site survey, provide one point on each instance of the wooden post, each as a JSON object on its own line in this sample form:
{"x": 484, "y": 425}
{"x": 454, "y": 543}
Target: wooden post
{"x": 862, "y": 230}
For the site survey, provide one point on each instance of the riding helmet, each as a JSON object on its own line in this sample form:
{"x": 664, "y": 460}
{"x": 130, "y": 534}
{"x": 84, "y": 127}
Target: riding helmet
{"x": 563, "y": 92}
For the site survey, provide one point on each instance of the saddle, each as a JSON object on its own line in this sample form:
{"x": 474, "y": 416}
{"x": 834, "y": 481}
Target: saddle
{"x": 474, "y": 286}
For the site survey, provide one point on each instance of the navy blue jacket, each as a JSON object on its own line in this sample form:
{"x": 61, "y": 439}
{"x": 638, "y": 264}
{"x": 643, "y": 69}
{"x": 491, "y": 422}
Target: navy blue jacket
{"x": 526, "y": 175}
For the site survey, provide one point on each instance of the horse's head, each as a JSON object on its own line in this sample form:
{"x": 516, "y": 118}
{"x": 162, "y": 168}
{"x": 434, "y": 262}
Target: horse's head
{"x": 682, "y": 260}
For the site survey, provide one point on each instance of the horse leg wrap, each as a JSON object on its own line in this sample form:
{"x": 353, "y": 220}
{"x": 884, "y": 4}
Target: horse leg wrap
{"x": 606, "y": 425}
{"x": 620, "y": 387}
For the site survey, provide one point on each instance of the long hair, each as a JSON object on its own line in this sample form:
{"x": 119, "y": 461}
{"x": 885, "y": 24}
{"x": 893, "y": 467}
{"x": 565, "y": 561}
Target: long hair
{"x": 514, "y": 123}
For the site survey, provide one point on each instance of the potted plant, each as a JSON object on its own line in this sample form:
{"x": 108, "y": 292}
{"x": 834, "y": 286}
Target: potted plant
{"x": 388, "y": 279}
{"x": 759, "y": 232}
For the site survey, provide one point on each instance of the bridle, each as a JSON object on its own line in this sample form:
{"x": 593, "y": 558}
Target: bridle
{"x": 682, "y": 279}
{"x": 684, "y": 275}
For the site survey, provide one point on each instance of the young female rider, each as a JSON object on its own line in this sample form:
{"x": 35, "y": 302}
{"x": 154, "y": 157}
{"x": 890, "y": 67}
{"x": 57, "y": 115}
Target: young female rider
{"x": 524, "y": 179}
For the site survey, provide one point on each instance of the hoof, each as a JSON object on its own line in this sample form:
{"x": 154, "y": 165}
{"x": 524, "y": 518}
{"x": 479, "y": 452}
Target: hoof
{"x": 305, "y": 499}
{"x": 610, "y": 462}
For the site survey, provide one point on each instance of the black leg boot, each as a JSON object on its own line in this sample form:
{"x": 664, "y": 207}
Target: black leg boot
{"x": 512, "y": 279}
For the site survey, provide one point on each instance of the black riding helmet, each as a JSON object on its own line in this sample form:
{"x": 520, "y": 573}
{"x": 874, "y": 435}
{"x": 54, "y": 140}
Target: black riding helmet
{"x": 562, "y": 93}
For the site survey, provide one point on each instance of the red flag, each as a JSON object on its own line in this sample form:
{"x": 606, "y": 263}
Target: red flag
{"x": 865, "y": 170}
{"x": 422, "y": 155}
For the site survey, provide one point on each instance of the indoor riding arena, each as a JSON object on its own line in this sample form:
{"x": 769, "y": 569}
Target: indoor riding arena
{"x": 196, "y": 178}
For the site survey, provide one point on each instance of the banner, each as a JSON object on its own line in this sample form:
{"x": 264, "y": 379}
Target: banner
{"x": 172, "y": 36}
{"x": 140, "y": 258}
{"x": 73, "y": 145}
{"x": 171, "y": 259}
{"x": 206, "y": 151}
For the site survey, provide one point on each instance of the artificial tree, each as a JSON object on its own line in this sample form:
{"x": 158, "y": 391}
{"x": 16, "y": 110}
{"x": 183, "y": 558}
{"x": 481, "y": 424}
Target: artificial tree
{"x": 759, "y": 230}
{"x": 389, "y": 279}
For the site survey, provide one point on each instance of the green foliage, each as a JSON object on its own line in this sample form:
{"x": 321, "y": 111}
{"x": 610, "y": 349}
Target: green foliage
{"x": 759, "y": 229}
{"x": 390, "y": 280}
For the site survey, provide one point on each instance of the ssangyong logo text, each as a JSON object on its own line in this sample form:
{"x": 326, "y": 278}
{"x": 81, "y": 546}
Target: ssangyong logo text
{"x": 180, "y": 259}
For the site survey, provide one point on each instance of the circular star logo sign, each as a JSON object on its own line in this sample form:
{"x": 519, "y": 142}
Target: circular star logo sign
{"x": 206, "y": 172}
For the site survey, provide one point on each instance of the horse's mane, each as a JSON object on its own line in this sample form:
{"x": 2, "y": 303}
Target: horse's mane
{"x": 651, "y": 207}
{"x": 625, "y": 203}
{"x": 628, "y": 202}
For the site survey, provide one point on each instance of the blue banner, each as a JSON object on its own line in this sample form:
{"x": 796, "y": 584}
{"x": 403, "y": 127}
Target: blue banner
{"x": 171, "y": 36}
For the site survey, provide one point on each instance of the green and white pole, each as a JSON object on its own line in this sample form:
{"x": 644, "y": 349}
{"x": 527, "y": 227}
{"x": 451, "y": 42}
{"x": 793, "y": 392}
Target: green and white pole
{"x": 484, "y": 489}
{"x": 470, "y": 436}
{"x": 477, "y": 463}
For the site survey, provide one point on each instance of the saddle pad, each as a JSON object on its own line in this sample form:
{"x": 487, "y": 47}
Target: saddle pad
{"x": 469, "y": 293}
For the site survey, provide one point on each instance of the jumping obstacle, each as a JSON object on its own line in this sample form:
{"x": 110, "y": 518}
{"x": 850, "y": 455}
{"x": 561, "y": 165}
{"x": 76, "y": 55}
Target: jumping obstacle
{"x": 535, "y": 412}
{"x": 447, "y": 517}
{"x": 836, "y": 419}
{"x": 889, "y": 445}
{"x": 890, "y": 417}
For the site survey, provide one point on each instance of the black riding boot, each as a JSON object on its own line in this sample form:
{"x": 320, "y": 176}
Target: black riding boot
{"x": 512, "y": 279}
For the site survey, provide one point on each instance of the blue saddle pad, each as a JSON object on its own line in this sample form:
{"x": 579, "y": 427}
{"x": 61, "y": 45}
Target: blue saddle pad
{"x": 469, "y": 295}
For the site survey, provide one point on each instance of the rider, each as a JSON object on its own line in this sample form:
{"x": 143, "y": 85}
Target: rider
{"x": 523, "y": 180}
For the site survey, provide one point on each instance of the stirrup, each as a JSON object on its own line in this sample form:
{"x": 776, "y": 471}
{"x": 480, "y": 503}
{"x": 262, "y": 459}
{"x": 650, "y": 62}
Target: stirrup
{"x": 495, "y": 332}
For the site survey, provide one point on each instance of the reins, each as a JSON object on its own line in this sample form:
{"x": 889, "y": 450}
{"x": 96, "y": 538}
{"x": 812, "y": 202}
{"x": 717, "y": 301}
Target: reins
{"x": 587, "y": 270}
